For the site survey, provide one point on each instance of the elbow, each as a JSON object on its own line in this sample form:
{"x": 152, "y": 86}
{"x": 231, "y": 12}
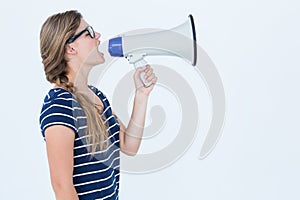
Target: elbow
{"x": 58, "y": 187}
{"x": 130, "y": 152}
{"x": 61, "y": 186}
{"x": 129, "y": 149}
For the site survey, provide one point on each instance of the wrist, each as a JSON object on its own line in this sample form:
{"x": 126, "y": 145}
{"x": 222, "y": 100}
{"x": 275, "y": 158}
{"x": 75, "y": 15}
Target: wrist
{"x": 141, "y": 95}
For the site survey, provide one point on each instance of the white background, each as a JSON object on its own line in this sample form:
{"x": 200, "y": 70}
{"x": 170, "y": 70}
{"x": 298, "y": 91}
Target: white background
{"x": 255, "y": 47}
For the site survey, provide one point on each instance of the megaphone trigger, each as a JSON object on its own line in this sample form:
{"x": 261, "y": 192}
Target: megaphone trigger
{"x": 138, "y": 61}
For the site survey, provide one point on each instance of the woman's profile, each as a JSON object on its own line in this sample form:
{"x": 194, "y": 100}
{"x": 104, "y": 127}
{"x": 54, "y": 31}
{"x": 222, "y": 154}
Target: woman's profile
{"x": 82, "y": 133}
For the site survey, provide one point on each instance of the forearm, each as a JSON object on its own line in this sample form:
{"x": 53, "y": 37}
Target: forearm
{"x": 135, "y": 128}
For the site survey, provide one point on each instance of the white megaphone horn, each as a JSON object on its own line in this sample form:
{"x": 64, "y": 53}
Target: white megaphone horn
{"x": 179, "y": 41}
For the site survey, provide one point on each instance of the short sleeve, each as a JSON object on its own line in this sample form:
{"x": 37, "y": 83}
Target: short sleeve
{"x": 58, "y": 112}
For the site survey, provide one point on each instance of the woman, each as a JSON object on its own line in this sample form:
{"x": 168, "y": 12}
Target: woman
{"x": 83, "y": 136}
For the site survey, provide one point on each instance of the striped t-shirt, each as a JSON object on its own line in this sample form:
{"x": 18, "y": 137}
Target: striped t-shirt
{"x": 93, "y": 177}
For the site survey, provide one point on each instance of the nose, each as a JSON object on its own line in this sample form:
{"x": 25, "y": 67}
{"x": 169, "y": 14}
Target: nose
{"x": 97, "y": 35}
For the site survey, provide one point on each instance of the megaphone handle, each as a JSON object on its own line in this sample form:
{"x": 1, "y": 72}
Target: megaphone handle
{"x": 142, "y": 63}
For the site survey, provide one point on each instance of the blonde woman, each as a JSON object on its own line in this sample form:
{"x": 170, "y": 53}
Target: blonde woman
{"x": 83, "y": 136}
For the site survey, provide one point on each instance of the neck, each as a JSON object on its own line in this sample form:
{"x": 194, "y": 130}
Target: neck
{"x": 79, "y": 77}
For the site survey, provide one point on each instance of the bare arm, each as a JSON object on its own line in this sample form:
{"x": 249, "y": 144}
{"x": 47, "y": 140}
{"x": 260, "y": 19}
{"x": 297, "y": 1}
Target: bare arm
{"x": 60, "y": 144}
{"x": 131, "y": 136}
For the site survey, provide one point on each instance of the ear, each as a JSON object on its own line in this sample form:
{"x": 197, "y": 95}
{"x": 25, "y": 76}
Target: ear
{"x": 70, "y": 50}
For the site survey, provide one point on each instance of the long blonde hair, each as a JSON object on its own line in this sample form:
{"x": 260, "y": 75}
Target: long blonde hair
{"x": 55, "y": 31}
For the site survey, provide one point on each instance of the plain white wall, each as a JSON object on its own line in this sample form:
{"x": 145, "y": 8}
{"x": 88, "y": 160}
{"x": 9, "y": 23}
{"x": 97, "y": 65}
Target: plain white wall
{"x": 255, "y": 47}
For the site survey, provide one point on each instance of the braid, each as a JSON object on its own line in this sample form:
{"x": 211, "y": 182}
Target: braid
{"x": 96, "y": 126}
{"x": 63, "y": 81}
{"x": 62, "y": 26}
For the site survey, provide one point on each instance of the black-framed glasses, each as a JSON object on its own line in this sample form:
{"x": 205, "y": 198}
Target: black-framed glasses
{"x": 89, "y": 29}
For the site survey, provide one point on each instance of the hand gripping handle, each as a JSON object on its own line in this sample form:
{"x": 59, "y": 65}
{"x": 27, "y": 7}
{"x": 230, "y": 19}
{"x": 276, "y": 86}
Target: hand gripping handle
{"x": 142, "y": 63}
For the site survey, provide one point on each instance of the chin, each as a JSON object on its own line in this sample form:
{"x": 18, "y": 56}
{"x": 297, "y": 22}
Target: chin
{"x": 96, "y": 62}
{"x": 102, "y": 60}
{"x": 98, "y": 59}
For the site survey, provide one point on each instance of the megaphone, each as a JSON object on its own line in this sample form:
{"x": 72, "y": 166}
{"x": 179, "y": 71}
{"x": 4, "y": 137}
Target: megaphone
{"x": 179, "y": 41}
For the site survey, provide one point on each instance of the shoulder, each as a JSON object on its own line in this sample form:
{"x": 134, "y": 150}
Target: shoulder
{"x": 96, "y": 90}
{"x": 58, "y": 100}
{"x": 100, "y": 94}
{"x": 58, "y": 108}
{"x": 58, "y": 95}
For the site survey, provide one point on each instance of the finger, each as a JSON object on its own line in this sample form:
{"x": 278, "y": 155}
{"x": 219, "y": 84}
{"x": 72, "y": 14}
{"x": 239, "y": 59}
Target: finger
{"x": 149, "y": 78}
{"x": 148, "y": 75}
{"x": 149, "y": 72}
{"x": 154, "y": 80}
{"x": 148, "y": 67}
{"x": 141, "y": 69}
{"x": 138, "y": 71}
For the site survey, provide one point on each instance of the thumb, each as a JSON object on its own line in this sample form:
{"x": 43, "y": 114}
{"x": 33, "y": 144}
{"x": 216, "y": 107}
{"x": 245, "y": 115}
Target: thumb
{"x": 139, "y": 70}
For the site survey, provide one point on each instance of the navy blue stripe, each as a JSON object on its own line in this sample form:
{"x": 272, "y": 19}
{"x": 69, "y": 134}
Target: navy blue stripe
{"x": 61, "y": 108}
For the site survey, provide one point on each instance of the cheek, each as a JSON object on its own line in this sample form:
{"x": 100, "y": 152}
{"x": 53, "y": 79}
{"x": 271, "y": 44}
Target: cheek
{"x": 89, "y": 52}
{"x": 91, "y": 48}
{"x": 86, "y": 50}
